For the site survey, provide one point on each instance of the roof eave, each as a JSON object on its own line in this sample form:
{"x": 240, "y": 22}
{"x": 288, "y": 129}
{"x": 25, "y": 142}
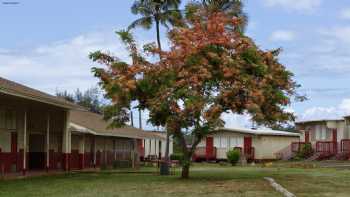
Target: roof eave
{"x": 38, "y": 100}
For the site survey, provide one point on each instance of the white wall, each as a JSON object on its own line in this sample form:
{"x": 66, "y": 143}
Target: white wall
{"x": 151, "y": 146}
{"x": 265, "y": 146}
{"x": 323, "y": 131}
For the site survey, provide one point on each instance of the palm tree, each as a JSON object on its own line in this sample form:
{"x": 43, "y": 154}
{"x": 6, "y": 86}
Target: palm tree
{"x": 233, "y": 8}
{"x": 230, "y": 7}
{"x": 160, "y": 12}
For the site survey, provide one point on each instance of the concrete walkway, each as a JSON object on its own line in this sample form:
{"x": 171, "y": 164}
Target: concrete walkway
{"x": 279, "y": 188}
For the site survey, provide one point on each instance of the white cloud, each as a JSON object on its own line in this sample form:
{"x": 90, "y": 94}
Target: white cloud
{"x": 282, "y": 35}
{"x": 62, "y": 65}
{"x": 326, "y": 53}
{"x": 340, "y": 33}
{"x": 345, "y": 13}
{"x": 297, "y": 5}
{"x": 333, "y": 112}
{"x": 235, "y": 120}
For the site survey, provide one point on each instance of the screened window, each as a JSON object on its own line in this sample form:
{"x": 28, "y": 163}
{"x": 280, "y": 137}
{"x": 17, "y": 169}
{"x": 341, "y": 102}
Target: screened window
{"x": 324, "y": 133}
{"x": 217, "y": 142}
{"x": 318, "y": 132}
{"x": 223, "y": 142}
{"x": 7, "y": 119}
{"x": 236, "y": 142}
{"x": 2, "y": 119}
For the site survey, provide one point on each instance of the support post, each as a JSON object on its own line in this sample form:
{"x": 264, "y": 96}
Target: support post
{"x": 24, "y": 170}
{"x": 94, "y": 151}
{"x": 140, "y": 119}
{"x": 115, "y": 149}
{"x": 83, "y": 152}
{"x": 2, "y": 167}
{"x": 104, "y": 152}
{"x": 48, "y": 143}
{"x": 66, "y": 143}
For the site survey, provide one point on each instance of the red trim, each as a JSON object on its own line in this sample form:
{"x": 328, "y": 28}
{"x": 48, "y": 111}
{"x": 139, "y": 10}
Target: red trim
{"x": 98, "y": 158}
{"x": 326, "y": 149}
{"x": 209, "y": 148}
{"x": 88, "y": 160}
{"x": 307, "y": 136}
{"x": 345, "y": 145}
{"x": 74, "y": 159}
{"x": 141, "y": 148}
{"x": 2, "y": 166}
{"x": 20, "y": 160}
{"x": 334, "y": 135}
{"x": 247, "y": 144}
{"x": 66, "y": 161}
{"x": 81, "y": 161}
{"x": 13, "y": 142}
{"x": 248, "y": 148}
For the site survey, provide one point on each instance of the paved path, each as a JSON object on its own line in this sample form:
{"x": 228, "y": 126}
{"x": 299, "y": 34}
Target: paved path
{"x": 279, "y": 188}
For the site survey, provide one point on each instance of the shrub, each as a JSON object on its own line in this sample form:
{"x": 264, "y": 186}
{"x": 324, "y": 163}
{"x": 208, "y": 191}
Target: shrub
{"x": 305, "y": 152}
{"x": 233, "y": 156}
{"x": 177, "y": 156}
{"x": 122, "y": 164}
{"x": 103, "y": 167}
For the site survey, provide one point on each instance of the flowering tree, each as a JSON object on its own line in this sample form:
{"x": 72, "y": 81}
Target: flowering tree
{"x": 209, "y": 70}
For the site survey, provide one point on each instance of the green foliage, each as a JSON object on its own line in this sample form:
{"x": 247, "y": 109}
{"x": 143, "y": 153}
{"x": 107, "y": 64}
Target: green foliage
{"x": 121, "y": 164}
{"x": 233, "y": 156}
{"x": 104, "y": 167}
{"x": 91, "y": 99}
{"x": 305, "y": 152}
{"x": 177, "y": 156}
{"x": 207, "y": 71}
{"x": 233, "y": 8}
{"x": 158, "y": 12}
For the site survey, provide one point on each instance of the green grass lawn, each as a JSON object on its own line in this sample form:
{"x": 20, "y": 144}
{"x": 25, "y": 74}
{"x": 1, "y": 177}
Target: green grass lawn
{"x": 206, "y": 180}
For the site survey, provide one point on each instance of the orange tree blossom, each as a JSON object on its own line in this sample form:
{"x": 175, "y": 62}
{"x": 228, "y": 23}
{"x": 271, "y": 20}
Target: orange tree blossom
{"x": 208, "y": 70}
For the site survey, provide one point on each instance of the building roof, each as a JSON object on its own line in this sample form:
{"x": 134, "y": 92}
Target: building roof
{"x": 317, "y": 120}
{"x": 265, "y": 132}
{"x": 15, "y": 89}
{"x": 92, "y": 123}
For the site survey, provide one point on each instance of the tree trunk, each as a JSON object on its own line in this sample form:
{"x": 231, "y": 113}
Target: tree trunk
{"x": 158, "y": 34}
{"x": 185, "y": 171}
{"x": 165, "y": 165}
{"x": 166, "y": 157}
{"x": 186, "y": 164}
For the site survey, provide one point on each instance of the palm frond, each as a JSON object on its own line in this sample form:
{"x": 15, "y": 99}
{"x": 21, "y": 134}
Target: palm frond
{"x": 144, "y": 22}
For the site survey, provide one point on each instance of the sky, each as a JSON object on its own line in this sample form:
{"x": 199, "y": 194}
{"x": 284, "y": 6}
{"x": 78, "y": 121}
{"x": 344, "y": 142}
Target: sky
{"x": 45, "y": 45}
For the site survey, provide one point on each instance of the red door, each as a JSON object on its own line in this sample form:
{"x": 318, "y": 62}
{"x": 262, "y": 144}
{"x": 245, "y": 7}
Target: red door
{"x": 141, "y": 148}
{"x": 307, "y": 136}
{"x": 334, "y": 139}
{"x": 334, "y": 133}
{"x": 13, "y": 143}
{"x": 247, "y": 145}
{"x": 209, "y": 148}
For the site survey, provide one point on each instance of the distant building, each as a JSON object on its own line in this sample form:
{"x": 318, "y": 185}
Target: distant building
{"x": 328, "y": 138}
{"x": 254, "y": 144}
{"x": 39, "y": 131}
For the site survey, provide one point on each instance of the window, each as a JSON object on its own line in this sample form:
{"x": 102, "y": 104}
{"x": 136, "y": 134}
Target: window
{"x": 7, "y": 119}
{"x": 223, "y": 142}
{"x": 318, "y": 132}
{"x": 324, "y": 133}
{"x": 2, "y": 119}
{"x": 10, "y": 119}
{"x": 217, "y": 142}
{"x": 236, "y": 142}
{"x": 233, "y": 142}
